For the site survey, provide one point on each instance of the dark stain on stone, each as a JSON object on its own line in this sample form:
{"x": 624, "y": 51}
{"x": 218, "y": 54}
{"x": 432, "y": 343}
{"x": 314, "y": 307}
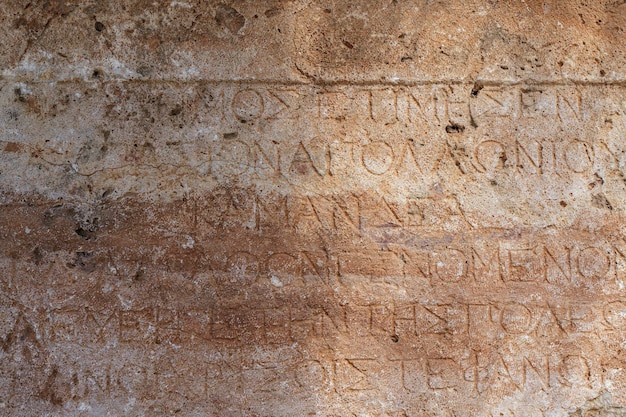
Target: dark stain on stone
{"x": 48, "y": 392}
{"x": 37, "y": 255}
{"x": 12, "y": 147}
{"x": 272, "y": 12}
{"x": 84, "y": 261}
{"x": 600, "y": 201}
{"x": 144, "y": 70}
{"x": 229, "y": 18}
{"x": 601, "y": 406}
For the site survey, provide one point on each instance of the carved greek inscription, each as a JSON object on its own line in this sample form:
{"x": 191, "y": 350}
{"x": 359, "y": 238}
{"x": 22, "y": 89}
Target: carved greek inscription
{"x": 414, "y": 158}
{"x": 470, "y": 373}
{"x": 401, "y": 133}
{"x": 332, "y": 242}
{"x": 594, "y": 267}
{"x": 353, "y": 213}
{"x": 470, "y": 322}
{"x": 436, "y": 103}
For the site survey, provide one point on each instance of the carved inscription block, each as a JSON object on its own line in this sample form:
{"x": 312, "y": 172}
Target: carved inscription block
{"x": 313, "y": 208}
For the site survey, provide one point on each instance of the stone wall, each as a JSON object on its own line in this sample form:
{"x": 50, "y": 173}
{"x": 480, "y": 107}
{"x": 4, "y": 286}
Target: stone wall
{"x": 312, "y": 208}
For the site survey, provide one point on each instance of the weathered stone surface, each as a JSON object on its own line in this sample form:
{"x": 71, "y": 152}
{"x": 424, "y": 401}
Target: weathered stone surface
{"x": 290, "y": 208}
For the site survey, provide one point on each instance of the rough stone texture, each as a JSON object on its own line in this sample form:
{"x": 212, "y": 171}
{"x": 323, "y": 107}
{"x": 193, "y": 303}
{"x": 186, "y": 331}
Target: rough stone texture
{"x": 313, "y": 208}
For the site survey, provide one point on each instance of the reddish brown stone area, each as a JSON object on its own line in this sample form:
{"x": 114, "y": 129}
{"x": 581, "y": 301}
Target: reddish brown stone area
{"x": 313, "y": 208}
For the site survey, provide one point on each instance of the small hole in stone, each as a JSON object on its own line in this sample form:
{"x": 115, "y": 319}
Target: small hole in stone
{"x": 99, "y": 26}
{"x": 395, "y": 338}
{"x": 476, "y": 89}
{"x": 83, "y": 233}
{"x": 176, "y": 111}
{"x": 455, "y": 128}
